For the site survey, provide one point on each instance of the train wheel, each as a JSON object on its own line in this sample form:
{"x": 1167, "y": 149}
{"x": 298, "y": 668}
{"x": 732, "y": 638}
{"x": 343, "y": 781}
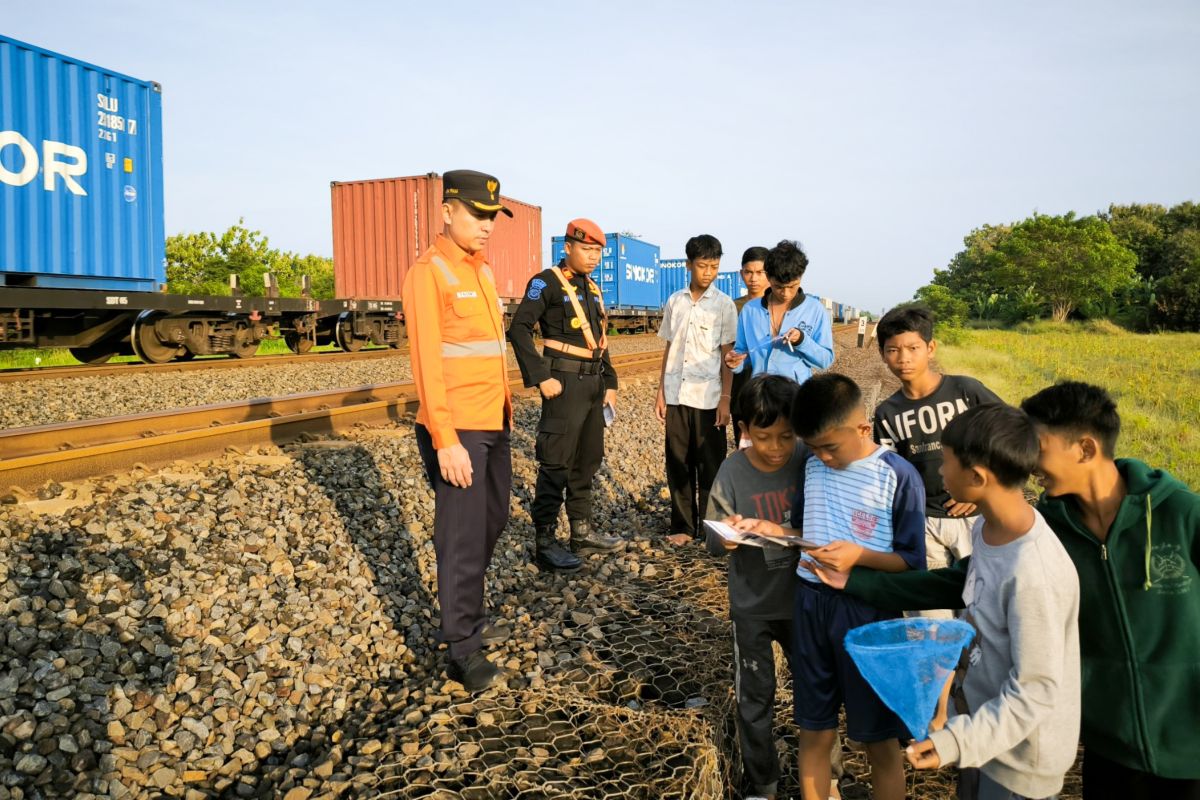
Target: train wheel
{"x": 244, "y": 344}
{"x": 95, "y": 353}
{"x": 345, "y": 338}
{"x": 298, "y": 344}
{"x": 146, "y": 344}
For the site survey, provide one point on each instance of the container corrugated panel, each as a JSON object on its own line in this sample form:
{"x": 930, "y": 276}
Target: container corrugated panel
{"x": 674, "y": 277}
{"x": 81, "y": 200}
{"x": 731, "y": 284}
{"x": 381, "y": 227}
{"x": 629, "y": 272}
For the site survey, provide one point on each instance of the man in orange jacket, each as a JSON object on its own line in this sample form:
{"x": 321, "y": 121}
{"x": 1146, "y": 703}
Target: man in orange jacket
{"x": 457, "y": 346}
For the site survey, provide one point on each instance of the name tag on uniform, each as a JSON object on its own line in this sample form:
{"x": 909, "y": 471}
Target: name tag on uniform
{"x": 466, "y": 295}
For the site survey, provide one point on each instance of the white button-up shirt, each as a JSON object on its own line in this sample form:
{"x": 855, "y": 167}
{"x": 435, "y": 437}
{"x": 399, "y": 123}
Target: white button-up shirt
{"x": 696, "y": 331}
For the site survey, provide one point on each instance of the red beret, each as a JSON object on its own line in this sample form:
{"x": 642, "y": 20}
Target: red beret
{"x": 584, "y": 230}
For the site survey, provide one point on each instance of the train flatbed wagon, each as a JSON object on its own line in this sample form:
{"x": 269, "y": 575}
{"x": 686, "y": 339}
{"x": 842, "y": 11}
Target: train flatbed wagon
{"x": 82, "y": 241}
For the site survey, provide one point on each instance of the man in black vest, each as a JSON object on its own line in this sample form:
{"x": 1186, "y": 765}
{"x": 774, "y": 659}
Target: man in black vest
{"x": 579, "y": 389}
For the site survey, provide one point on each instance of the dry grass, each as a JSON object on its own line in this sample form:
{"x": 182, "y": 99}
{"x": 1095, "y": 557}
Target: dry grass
{"x": 1155, "y": 379}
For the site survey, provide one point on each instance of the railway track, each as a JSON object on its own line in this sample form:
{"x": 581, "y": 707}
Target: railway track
{"x": 88, "y": 448}
{"x": 217, "y": 362}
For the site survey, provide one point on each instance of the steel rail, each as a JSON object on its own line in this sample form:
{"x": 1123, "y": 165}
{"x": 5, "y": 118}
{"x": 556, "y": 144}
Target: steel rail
{"x": 15, "y": 375}
{"x": 88, "y": 448}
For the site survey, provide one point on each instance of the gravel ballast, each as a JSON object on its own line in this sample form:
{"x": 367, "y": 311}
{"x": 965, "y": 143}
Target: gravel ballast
{"x": 262, "y": 625}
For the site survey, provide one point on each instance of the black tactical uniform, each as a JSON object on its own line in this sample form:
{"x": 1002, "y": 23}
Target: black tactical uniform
{"x": 570, "y": 440}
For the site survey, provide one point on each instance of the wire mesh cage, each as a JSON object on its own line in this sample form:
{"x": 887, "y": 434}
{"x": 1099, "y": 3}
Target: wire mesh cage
{"x": 527, "y": 745}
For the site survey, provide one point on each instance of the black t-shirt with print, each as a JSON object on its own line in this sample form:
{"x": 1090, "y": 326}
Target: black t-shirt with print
{"x": 913, "y": 428}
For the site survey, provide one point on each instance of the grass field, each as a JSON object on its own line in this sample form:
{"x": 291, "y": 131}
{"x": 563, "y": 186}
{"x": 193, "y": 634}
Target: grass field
{"x": 1155, "y": 379}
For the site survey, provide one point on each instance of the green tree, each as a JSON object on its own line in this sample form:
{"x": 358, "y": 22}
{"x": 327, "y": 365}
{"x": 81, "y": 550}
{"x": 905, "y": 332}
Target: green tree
{"x": 1065, "y": 259}
{"x": 1140, "y": 227}
{"x": 971, "y": 275}
{"x": 1178, "y": 297}
{"x": 948, "y": 309}
{"x": 201, "y": 263}
{"x": 970, "y": 271}
{"x": 319, "y": 269}
{"x": 1185, "y": 216}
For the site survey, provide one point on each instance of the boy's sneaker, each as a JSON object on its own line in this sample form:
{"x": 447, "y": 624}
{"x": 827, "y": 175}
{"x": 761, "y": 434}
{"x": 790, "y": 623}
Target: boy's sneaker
{"x": 474, "y": 672}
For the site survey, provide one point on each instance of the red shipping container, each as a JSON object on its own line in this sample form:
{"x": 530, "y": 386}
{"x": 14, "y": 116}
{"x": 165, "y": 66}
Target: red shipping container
{"x": 380, "y": 227}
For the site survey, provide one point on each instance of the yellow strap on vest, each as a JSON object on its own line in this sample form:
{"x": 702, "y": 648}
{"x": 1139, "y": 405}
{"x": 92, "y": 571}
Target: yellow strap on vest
{"x": 570, "y": 349}
{"x": 585, "y": 327}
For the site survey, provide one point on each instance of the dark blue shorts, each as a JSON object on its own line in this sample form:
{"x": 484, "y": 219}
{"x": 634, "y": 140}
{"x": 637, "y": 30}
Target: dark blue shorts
{"x": 824, "y": 677}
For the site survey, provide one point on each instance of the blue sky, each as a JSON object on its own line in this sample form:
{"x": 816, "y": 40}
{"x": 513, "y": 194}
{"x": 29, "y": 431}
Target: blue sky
{"x": 878, "y": 134}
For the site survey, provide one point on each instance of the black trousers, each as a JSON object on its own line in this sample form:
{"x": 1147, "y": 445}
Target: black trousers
{"x": 754, "y": 687}
{"x": 466, "y": 524}
{"x": 740, "y": 379}
{"x": 1104, "y": 779}
{"x": 569, "y": 449}
{"x": 695, "y": 449}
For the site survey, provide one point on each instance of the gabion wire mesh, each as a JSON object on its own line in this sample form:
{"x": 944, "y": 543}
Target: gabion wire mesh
{"x": 638, "y": 703}
{"x": 647, "y": 651}
{"x": 526, "y": 745}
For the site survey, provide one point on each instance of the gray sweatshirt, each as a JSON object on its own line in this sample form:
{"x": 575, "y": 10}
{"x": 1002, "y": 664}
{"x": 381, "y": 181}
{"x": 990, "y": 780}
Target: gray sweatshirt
{"x": 1022, "y": 679}
{"x": 762, "y": 580}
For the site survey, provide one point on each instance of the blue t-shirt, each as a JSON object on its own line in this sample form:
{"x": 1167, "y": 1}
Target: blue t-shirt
{"x": 877, "y": 502}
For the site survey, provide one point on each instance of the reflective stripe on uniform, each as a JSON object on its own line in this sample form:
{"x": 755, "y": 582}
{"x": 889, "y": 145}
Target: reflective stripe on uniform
{"x": 451, "y": 278}
{"x": 490, "y": 347}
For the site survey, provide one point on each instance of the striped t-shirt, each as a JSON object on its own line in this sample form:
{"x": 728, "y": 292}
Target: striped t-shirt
{"x": 877, "y": 502}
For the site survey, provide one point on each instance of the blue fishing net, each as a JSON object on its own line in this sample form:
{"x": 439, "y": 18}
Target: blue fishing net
{"x": 907, "y": 662}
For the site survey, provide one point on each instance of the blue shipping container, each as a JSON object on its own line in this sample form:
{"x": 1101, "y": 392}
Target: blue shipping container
{"x": 628, "y": 274}
{"x": 674, "y": 277}
{"x": 81, "y": 201}
{"x": 730, "y": 283}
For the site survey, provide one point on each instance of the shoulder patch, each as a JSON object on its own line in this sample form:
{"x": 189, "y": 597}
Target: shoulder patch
{"x": 535, "y": 288}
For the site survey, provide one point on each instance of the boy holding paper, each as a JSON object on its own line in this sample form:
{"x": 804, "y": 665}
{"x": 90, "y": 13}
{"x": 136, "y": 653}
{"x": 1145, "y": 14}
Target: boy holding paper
{"x": 759, "y": 482}
{"x": 864, "y": 505}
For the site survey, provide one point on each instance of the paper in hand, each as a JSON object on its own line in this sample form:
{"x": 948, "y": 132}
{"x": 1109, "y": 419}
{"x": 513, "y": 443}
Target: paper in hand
{"x": 732, "y": 534}
{"x": 729, "y": 533}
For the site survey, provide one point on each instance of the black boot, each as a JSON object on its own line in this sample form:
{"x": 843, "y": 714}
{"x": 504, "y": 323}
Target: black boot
{"x": 586, "y": 540}
{"x": 552, "y": 555}
{"x": 474, "y": 672}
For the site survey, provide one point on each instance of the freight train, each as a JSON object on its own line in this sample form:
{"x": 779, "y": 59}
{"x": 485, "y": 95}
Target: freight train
{"x": 82, "y": 251}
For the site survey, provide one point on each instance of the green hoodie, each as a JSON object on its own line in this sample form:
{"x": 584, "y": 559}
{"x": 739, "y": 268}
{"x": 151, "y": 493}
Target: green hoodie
{"x": 1139, "y": 619}
{"x": 1139, "y": 622}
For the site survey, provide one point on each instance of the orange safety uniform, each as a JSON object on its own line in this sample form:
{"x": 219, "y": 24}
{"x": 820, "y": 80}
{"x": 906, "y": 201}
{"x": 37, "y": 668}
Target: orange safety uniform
{"x": 456, "y": 343}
